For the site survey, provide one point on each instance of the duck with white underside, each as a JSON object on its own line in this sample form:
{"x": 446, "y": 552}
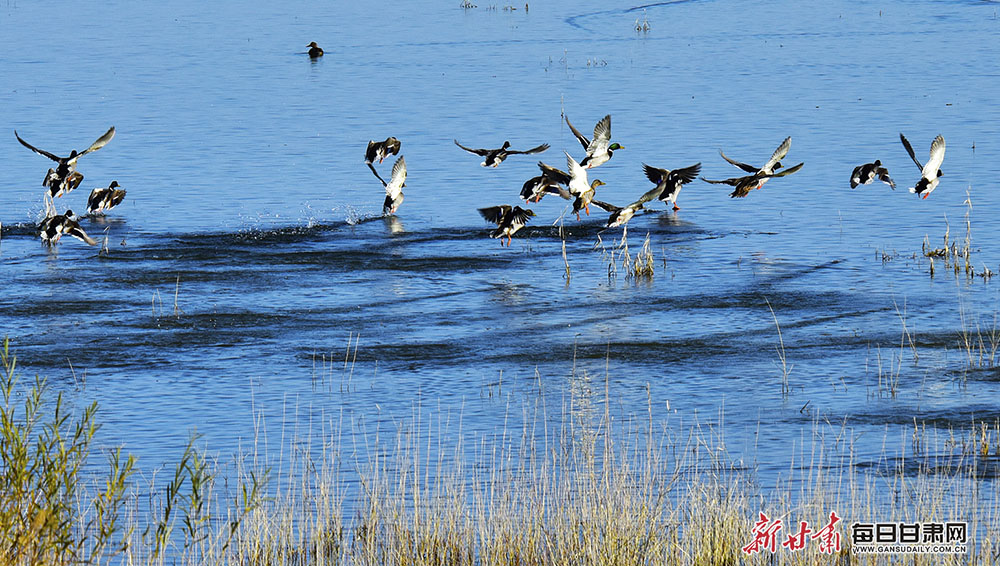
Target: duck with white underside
{"x": 494, "y": 157}
{"x": 930, "y": 173}
{"x": 599, "y": 149}
{"x": 508, "y": 220}
{"x": 758, "y": 176}
{"x": 53, "y": 226}
{"x": 394, "y": 188}
{"x": 579, "y": 189}
{"x": 105, "y": 198}
{"x": 669, "y": 183}
{"x": 620, "y": 215}
{"x": 867, "y": 173}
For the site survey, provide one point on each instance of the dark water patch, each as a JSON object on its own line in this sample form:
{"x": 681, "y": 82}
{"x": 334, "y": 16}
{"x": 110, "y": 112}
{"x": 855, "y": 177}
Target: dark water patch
{"x": 282, "y": 235}
{"x": 285, "y": 235}
{"x": 965, "y": 417}
{"x": 357, "y": 316}
{"x": 947, "y": 465}
{"x": 938, "y": 340}
{"x": 658, "y": 352}
{"x": 183, "y": 325}
{"x": 782, "y": 301}
{"x": 792, "y": 274}
{"x": 431, "y": 264}
{"x": 664, "y": 226}
{"x": 431, "y": 297}
{"x": 219, "y": 261}
{"x": 440, "y": 235}
{"x": 991, "y": 373}
{"x": 420, "y": 353}
{"x": 820, "y": 320}
{"x": 55, "y": 306}
{"x": 181, "y": 277}
{"x": 19, "y": 229}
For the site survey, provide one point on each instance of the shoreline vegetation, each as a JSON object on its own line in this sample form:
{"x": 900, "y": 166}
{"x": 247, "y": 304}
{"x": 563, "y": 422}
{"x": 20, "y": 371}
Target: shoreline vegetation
{"x": 589, "y": 487}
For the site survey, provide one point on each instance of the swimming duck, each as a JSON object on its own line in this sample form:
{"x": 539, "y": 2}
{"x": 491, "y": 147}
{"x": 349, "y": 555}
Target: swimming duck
{"x": 64, "y": 178}
{"x": 865, "y": 174}
{"x": 53, "y": 226}
{"x": 494, "y": 157}
{"x": 105, "y": 198}
{"x": 394, "y": 188}
{"x": 931, "y": 172}
{"x": 314, "y": 50}
{"x": 599, "y": 149}
{"x": 508, "y": 220}
{"x": 669, "y": 183}
{"x": 379, "y": 151}
{"x": 576, "y": 181}
{"x": 537, "y": 187}
{"x": 757, "y": 178}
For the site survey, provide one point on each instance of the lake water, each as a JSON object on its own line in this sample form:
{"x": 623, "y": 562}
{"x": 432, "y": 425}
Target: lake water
{"x": 250, "y": 251}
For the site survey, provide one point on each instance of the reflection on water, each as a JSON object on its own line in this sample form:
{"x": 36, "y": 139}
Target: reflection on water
{"x": 393, "y": 224}
{"x": 221, "y": 147}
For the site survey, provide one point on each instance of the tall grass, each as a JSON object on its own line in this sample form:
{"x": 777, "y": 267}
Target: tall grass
{"x": 590, "y": 487}
{"x": 42, "y": 451}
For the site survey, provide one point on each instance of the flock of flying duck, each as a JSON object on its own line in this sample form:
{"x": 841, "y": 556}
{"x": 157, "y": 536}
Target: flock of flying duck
{"x": 63, "y": 179}
{"x": 574, "y": 185}
{"x": 571, "y": 184}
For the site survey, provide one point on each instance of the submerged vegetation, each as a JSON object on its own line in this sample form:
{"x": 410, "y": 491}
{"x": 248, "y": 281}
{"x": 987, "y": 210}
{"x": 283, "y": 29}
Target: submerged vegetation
{"x": 598, "y": 488}
{"x": 956, "y": 257}
{"x": 638, "y": 267}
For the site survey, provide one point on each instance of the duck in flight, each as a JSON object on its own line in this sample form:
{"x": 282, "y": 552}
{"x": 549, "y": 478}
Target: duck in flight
{"x": 537, "y": 187}
{"x": 494, "y": 157}
{"x": 575, "y": 181}
{"x": 599, "y": 149}
{"x": 669, "y": 183}
{"x": 379, "y": 151}
{"x": 865, "y": 174}
{"x": 394, "y": 188}
{"x": 930, "y": 173}
{"x": 64, "y": 178}
{"x": 105, "y": 198}
{"x": 508, "y": 220}
{"x": 758, "y": 176}
{"x": 53, "y": 226}
{"x": 620, "y": 215}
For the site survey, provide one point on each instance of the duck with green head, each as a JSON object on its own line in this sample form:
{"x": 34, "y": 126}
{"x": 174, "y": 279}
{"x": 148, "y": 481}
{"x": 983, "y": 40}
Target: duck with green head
{"x": 599, "y": 149}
